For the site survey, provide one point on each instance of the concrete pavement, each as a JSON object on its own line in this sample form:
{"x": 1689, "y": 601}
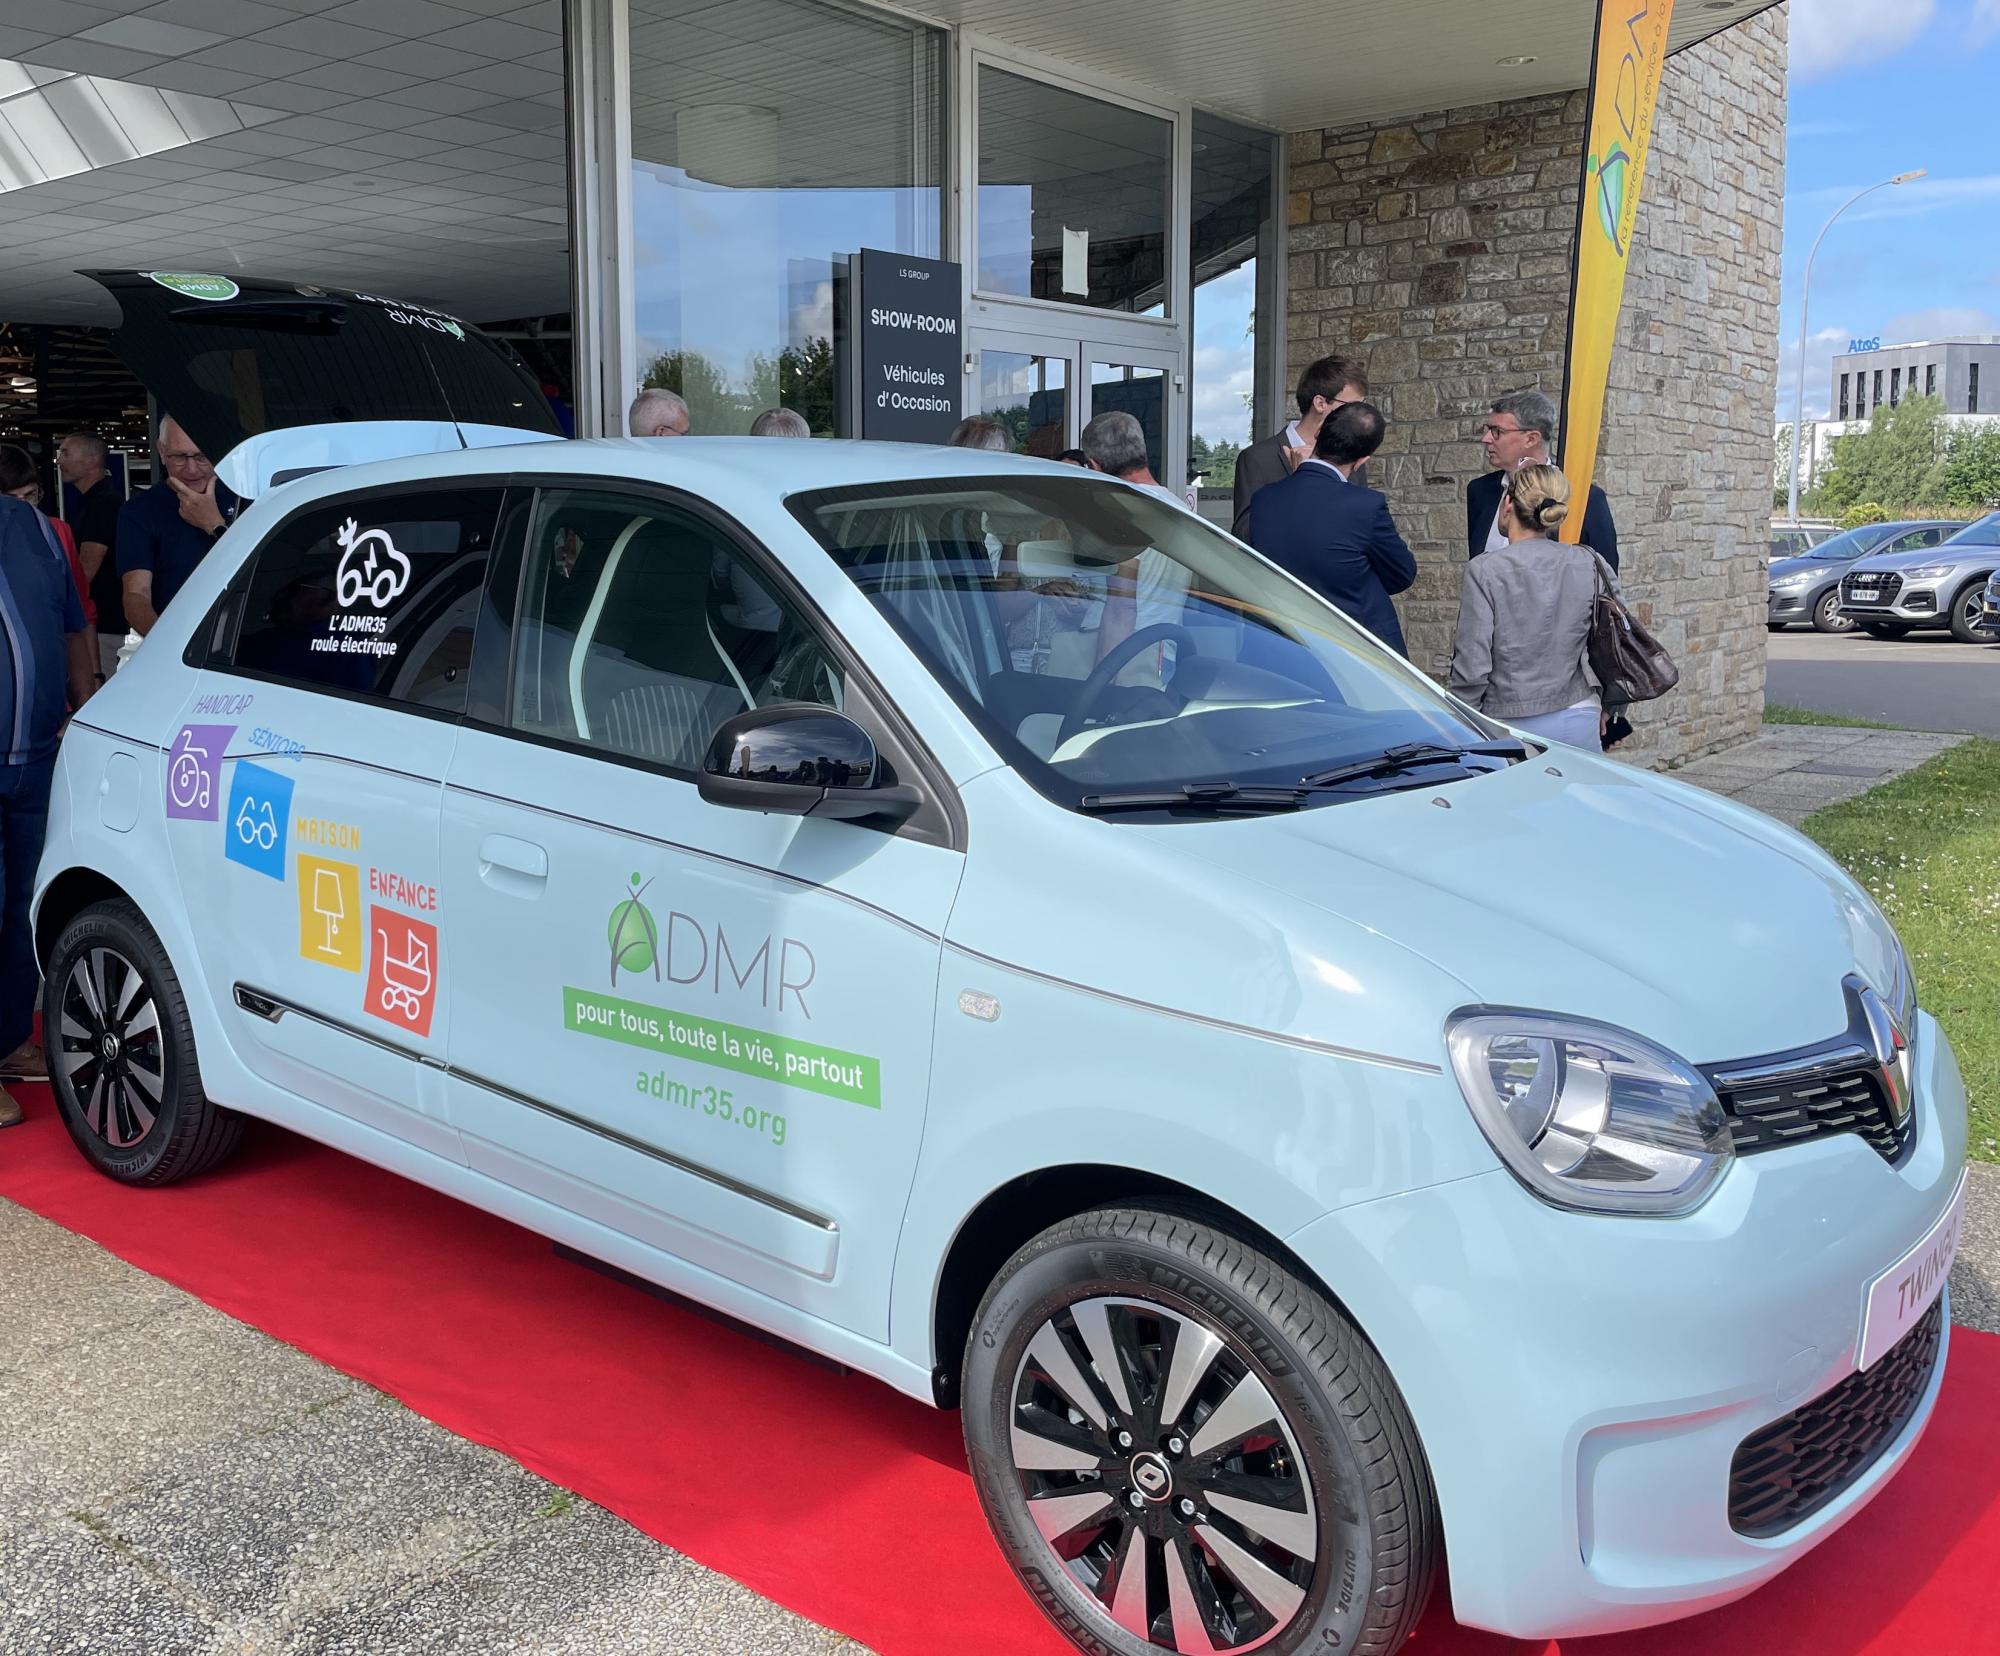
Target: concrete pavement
{"x": 1924, "y": 682}
{"x": 1790, "y": 771}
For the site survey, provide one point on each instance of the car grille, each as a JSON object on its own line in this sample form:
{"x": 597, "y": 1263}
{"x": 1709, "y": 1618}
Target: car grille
{"x": 1768, "y": 1115}
{"x": 1883, "y": 591}
{"x": 1786, "y": 1472}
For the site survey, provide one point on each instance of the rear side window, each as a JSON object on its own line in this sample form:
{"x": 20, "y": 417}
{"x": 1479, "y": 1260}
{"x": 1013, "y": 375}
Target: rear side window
{"x": 375, "y": 596}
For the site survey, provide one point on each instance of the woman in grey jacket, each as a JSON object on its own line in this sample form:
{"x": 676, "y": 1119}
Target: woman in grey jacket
{"x": 1524, "y": 619}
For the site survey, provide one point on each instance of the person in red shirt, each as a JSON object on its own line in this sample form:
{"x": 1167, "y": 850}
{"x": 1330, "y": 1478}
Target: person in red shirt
{"x": 18, "y": 478}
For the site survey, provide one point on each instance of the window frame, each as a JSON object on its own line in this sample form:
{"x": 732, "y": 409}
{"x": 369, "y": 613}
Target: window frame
{"x": 491, "y": 681}
{"x": 213, "y": 645}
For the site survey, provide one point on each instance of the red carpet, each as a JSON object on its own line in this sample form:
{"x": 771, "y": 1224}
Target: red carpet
{"x": 650, "y": 1410}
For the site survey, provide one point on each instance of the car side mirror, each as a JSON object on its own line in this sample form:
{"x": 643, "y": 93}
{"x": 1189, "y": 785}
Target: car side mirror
{"x": 800, "y": 759}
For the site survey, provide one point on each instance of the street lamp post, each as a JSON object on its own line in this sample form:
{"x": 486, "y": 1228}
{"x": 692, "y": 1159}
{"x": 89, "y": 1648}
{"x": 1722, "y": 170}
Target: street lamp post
{"x": 1805, "y": 300}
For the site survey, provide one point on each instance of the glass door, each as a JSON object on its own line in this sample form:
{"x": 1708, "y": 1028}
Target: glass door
{"x": 1026, "y": 384}
{"x": 1135, "y": 382}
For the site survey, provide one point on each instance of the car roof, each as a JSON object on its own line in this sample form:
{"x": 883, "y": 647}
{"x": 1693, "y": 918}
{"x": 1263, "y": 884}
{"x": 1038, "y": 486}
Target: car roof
{"x": 771, "y": 467}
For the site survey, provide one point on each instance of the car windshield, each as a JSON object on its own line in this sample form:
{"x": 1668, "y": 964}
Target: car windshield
{"x": 1850, "y": 543}
{"x": 1111, "y": 645}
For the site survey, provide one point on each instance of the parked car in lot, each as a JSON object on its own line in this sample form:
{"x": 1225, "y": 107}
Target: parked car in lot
{"x": 1149, "y": 1024}
{"x": 1807, "y": 587}
{"x": 1989, "y": 608}
{"x": 1891, "y": 594}
{"x": 1790, "y": 540}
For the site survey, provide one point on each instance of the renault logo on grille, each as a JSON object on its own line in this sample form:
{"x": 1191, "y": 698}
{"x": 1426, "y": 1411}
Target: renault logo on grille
{"x": 1889, "y": 1044}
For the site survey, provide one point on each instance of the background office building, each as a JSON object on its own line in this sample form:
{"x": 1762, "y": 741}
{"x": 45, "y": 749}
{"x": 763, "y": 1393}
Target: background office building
{"x": 1962, "y": 373}
{"x": 1163, "y": 209}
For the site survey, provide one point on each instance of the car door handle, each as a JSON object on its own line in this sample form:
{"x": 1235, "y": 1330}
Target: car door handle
{"x": 513, "y": 865}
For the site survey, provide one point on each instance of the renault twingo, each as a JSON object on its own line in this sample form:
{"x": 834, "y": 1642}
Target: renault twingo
{"x": 1301, "y": 1124}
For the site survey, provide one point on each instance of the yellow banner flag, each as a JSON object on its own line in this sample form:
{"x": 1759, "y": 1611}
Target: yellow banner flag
{"x": 1625, "y": 72}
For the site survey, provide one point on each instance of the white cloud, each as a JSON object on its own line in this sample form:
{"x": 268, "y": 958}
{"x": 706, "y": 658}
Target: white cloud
{"x": 1985, "y": 22}
{"x": 1821, "y": 348}
{"x": 1223, "y": 378}
{"x": 1829, "y": 35}
{"x": 1941, "y": 322}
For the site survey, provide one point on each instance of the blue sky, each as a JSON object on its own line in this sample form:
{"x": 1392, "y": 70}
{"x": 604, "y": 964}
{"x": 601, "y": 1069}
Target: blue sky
{"x": 1880, "y": 87}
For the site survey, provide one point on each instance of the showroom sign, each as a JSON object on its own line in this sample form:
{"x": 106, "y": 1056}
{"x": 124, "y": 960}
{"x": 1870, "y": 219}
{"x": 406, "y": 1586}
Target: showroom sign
{"x": 909, "y": 339}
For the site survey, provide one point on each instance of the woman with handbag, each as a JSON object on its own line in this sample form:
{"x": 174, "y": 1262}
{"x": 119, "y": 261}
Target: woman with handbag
{"x": 1525, "y": 618}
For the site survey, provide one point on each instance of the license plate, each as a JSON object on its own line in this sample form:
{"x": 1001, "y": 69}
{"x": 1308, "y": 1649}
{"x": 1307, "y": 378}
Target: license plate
{"x": 1904, "y": 1292}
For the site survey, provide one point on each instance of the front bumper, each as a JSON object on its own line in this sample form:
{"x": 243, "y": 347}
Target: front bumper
{"x": 1918, "y": 606}
{"x": 1989, "y": 613}
{"x": 1582, "y": 1383}
{"x": 1792, "y": 604}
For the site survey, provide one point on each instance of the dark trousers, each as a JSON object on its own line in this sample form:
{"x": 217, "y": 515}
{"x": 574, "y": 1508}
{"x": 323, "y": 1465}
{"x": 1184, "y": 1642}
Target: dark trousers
{"x": 24, "y": 824}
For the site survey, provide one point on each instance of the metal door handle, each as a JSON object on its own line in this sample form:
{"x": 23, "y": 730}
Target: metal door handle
{"x": 513, "y": 864}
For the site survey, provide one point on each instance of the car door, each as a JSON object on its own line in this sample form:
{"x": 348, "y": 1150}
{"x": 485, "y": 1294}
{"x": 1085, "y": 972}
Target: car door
{"x": 303, "y": 794}
{"x": 705, "y": 1028}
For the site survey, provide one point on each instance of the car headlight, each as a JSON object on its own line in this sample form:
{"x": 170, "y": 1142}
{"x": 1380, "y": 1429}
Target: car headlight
{"x": 1785, "y": 583}
{"x": 1589, "y": 1116}
{"x": 1929, "y": 572}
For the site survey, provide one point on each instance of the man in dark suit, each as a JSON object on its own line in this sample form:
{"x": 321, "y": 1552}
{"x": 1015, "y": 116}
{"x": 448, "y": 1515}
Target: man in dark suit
{"x": 1326, "y": 385}
{"x": 1516, "y": 434}
{"x": 1334, "y": 535}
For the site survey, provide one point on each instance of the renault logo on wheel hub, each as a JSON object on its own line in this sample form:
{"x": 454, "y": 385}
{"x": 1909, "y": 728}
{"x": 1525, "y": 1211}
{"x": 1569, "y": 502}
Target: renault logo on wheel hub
{"x": 1151, "y": 1477}
{"x": 108, "y": 1045}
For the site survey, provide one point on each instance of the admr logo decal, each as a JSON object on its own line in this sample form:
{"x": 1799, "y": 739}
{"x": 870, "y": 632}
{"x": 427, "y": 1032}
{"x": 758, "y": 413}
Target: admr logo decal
{"x": 370, "y": 567}
{"x": 634, "y": 935}
{"x": 191, "y": 285}
{"x": 1613, "y": 174}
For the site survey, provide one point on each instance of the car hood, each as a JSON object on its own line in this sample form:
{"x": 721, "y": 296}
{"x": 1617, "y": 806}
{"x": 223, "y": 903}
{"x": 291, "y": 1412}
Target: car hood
{"x": 1805, "y": 566}
{"x": 1580, "y": 886}
{"x": 270, "y": 377}
{"x": 1946, "y": 552}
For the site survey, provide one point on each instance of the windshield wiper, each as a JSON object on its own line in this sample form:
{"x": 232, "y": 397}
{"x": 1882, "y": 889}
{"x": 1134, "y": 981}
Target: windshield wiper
{"x": 1411, "y": 756}
{"x": 1215, "y": 795}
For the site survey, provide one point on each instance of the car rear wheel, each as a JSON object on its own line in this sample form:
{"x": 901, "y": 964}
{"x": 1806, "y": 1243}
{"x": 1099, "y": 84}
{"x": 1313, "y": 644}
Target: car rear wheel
{"x": 1826, "y": 616}
{"x": 121, "y": 1053}
{"x": 1886, "y": 629}
{"x": 1966, "y": 609}
{"x": 1182, "y": 1447}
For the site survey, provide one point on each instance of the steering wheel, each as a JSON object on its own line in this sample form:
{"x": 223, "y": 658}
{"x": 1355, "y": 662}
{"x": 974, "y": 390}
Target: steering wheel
{"x": 1093, "y": 688}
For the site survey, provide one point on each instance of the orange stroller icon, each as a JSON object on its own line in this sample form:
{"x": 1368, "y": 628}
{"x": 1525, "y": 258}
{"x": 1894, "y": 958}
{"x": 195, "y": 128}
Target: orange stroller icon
{"x": 406, "y": 983}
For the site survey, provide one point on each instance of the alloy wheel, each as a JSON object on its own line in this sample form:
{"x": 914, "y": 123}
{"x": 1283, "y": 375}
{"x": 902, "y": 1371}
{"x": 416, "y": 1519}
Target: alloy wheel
{"x": 1164, "y": 1476}
{"x": 1828, "y": 617}
{"x": 109, "y": 1048}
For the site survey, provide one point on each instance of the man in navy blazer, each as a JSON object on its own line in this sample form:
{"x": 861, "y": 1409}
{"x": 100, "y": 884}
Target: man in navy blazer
{"x": 1334, "y": 535}
{"x": 1517, "y": 433}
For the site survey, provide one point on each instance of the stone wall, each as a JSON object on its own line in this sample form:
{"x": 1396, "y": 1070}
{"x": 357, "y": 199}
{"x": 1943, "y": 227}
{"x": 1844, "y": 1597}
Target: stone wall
{"x": 1439, "y": 251}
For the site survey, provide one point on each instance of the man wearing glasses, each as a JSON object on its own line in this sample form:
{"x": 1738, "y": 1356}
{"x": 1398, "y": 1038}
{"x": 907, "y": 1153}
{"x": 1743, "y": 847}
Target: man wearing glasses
{"x": 1517, "y": 433}
{"x": 1326, "y": 385}
{"x": 166, "y": 530}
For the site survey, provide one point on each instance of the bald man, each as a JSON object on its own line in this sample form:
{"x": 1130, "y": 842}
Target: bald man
{"x": 166, "y": 530}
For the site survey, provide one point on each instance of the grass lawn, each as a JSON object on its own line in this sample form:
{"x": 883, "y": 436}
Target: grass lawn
{"x": 1779, "y": 713}
{"x": 1927, "y": 846}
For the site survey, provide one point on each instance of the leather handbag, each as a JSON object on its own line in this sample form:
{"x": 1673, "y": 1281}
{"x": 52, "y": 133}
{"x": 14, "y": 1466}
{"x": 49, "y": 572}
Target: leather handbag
{"x": 1628, "y": 661}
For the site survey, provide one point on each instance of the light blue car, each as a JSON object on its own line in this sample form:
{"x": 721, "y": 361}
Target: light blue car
{"x": 977, "y": 921}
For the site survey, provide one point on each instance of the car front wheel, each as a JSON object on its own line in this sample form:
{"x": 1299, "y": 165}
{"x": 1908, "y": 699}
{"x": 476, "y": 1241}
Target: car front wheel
{"x": 1966, "y": 610}
{"x": 1181, "y": 1446}
{"x": 121, "y": 1053}
{"x": 1826, "y": 616}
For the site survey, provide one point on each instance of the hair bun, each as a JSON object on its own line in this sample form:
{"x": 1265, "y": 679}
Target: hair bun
{"x": 1552, "y": 513}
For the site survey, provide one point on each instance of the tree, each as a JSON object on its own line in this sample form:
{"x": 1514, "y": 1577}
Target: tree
{"x": 805, "y": 382}
{"x": 1972, "y": 470}
{"x": 1898, "y": 460}
{"x": 1859, "y": 517}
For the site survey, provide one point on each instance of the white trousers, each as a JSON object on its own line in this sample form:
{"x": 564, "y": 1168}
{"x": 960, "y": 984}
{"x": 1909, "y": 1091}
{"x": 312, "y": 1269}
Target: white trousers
{"x": 1576, "y": 726}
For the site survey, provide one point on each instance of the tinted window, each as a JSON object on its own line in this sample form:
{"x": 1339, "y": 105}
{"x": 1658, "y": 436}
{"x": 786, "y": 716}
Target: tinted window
{"x": 375, "y": 596}
{"x": 1986, "y": 532}
{"x": 642, "y": 628}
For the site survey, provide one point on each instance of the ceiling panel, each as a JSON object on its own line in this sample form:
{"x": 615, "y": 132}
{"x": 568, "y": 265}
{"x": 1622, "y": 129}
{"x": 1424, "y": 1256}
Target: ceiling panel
{"x": 351, "y": 161}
